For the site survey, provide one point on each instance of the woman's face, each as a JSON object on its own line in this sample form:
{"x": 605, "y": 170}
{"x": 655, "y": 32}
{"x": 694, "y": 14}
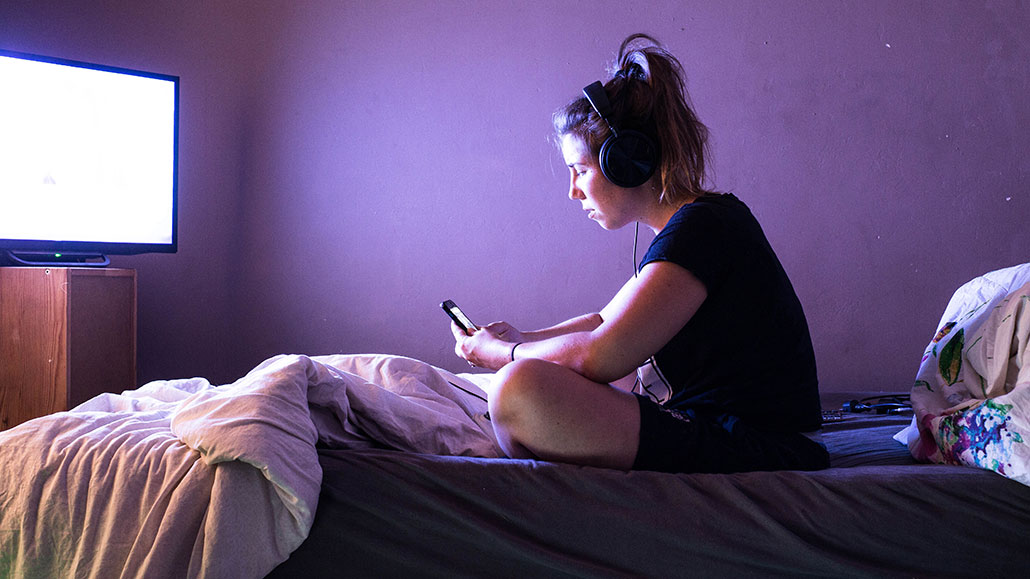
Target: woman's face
{"x": 607, "y": 204}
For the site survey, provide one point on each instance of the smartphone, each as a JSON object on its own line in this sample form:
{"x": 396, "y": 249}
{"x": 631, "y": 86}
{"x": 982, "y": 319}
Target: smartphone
{"x": 458, "y": 316}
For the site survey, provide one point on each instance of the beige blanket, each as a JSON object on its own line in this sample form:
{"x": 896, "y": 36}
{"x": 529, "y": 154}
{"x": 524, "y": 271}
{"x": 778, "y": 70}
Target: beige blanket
{"x": 185, "y": 479}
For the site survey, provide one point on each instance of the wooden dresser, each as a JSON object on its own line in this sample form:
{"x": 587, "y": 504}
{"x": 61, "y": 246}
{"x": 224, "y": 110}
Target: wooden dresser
{"x": 66, "y": 335}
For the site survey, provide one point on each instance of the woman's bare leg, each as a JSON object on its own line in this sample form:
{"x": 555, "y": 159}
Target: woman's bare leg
{"x": 543, "y": 410}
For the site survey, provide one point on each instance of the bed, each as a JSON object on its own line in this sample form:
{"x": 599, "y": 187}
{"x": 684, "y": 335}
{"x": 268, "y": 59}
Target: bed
{"x": 382, "y": 466}
{"x": 182, "y": 478}
{"x": 875, "y": 513}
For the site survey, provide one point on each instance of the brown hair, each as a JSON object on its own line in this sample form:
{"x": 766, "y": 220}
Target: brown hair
{"x": 647, "y": 94}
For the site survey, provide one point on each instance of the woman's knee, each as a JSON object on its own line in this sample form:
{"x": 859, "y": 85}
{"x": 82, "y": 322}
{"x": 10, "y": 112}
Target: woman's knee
{"x": 543, "y": 410}
{"x": 518, "y": 389}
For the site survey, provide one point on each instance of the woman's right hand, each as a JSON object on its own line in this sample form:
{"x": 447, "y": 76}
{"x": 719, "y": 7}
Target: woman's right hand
{"x": 488, "y": 347}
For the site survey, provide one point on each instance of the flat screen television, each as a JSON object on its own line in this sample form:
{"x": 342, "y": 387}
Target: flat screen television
{"x": 88, "y": 161}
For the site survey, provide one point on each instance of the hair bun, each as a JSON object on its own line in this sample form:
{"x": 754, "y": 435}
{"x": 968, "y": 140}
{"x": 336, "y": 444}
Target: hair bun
{"x": 632, "y": 60}
{"x": 632, "y": 70}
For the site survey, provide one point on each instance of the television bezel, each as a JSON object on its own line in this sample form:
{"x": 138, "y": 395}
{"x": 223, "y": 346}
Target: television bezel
{"x": 105, "y": 247}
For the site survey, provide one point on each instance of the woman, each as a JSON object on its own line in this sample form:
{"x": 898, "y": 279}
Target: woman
{"x": 726, "y": 373}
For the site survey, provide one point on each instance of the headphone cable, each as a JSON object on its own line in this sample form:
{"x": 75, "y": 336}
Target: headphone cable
{"x": 636, "y": 233}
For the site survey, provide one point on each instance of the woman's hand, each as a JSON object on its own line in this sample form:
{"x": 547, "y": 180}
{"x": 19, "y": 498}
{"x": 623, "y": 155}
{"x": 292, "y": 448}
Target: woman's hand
{"x": 488, "y": 347}
{"x": 506, "y": 332}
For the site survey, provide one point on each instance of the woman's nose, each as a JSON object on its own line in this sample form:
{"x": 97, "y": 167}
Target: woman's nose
{"x": 574, "y": 192}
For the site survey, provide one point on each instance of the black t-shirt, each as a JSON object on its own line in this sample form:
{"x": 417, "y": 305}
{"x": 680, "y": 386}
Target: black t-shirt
{"x": 747, "y": 350}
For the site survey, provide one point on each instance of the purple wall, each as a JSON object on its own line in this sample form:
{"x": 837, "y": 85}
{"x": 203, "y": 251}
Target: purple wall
{"x": 347, "y": 165}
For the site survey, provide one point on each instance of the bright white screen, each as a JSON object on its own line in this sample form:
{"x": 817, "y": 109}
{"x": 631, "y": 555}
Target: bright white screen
{"x": 85, "y": 155}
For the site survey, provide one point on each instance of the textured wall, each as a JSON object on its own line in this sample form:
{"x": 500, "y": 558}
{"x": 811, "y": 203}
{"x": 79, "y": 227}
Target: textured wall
{"x": 347, "y": 165}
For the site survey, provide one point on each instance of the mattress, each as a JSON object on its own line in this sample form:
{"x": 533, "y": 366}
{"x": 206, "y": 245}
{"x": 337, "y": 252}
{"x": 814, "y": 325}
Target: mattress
{"x": 874, "y": 513}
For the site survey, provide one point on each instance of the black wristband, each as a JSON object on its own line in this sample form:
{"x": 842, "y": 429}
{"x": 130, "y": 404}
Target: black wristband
{"x": 513, "y": 351}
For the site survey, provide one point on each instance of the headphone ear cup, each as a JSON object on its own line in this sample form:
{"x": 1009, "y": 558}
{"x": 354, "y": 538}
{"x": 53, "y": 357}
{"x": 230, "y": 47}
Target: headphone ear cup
{"x": 628, "y": 160}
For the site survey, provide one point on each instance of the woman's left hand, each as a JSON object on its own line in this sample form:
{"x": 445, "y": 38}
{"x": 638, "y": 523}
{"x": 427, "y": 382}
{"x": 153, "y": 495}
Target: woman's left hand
{"x": 488, "y": 347}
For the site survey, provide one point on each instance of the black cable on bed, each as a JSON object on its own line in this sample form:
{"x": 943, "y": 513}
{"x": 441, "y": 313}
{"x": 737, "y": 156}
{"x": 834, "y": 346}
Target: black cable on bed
{"x": 466, "y": 391}
{"x": 882, "y": 404}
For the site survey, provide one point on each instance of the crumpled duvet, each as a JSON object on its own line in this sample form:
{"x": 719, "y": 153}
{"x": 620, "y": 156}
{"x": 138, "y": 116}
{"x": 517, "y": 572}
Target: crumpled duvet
{"x": 972, "y": 391}
{"x": 185, "y": 479}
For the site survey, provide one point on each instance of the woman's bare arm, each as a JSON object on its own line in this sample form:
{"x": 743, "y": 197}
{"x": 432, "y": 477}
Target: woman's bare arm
{"x": 642, "y": 317}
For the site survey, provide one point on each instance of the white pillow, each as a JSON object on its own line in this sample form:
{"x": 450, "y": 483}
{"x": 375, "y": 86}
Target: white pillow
{"x": 984, "y": 289}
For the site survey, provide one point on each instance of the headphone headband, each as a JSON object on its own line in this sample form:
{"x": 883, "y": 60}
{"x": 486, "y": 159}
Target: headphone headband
{"x": 598, "y": 99}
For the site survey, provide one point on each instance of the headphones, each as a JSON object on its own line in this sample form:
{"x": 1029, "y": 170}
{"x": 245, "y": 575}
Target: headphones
{"x": 628, "y": 158}
{"x": 887, "y": 404}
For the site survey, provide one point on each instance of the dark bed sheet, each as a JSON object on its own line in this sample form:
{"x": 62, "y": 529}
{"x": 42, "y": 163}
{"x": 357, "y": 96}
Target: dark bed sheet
{"x": 875, "y": 513}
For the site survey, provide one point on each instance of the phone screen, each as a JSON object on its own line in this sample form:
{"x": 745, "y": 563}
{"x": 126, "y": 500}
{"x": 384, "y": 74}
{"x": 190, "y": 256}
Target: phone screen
{"x": 458, "y": 316}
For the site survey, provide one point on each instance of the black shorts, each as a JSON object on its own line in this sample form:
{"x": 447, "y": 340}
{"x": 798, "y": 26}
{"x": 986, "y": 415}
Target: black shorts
{"x": 693, "y": 441}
